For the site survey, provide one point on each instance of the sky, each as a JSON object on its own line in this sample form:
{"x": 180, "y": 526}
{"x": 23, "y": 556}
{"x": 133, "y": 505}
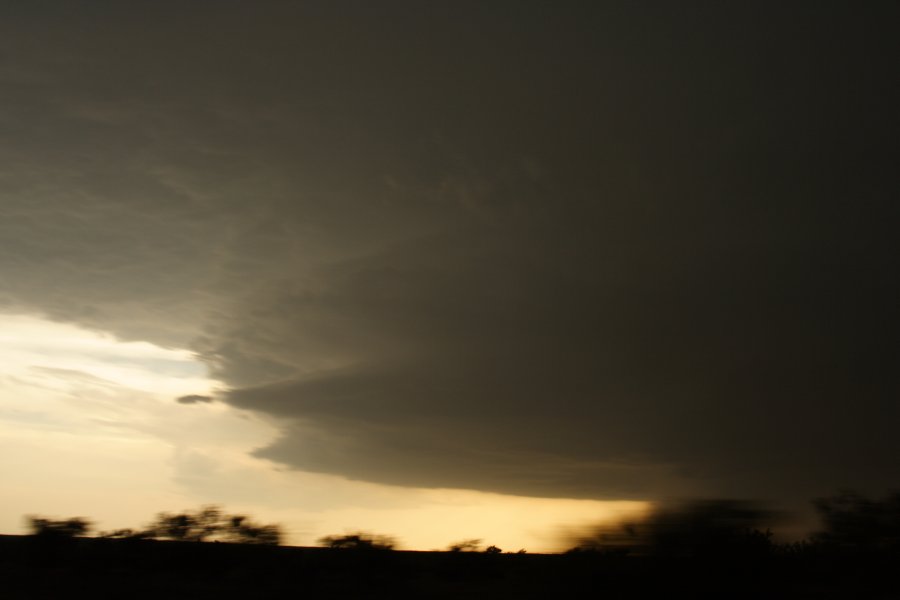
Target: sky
{"x": 445, "y": 270}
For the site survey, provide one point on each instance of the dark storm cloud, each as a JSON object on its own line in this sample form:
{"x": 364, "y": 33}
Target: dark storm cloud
{"x": 611, "y": 250}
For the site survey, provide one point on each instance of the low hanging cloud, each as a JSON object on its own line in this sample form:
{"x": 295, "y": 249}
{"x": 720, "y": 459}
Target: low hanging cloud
{"x": 194, "y": 399}
{"x": 490, "y": 260}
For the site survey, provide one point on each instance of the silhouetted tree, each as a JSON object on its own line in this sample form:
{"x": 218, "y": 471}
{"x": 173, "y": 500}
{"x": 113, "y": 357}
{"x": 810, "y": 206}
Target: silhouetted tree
{"x": 210, "y": 522}
{"x": 492, "y": 550}
{"x": 66, "y": 528}
{"x": 189, "y": 527}
{"x": 240, "y": 529}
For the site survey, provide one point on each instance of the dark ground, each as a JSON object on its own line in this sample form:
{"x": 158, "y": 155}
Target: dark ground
{"x": 102, "y": 568}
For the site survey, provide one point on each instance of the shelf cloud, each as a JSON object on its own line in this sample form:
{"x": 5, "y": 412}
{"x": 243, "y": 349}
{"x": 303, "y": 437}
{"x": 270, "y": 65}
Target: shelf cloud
{"x": 518, "y": 253}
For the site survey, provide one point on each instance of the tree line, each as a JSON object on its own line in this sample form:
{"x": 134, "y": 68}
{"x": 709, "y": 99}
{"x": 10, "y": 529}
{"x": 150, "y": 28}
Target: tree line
{"x": 850, "y": 523}
{"x": 209, "y": 523}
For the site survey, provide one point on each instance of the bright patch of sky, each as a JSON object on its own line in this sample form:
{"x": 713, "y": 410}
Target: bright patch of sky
{"x": 90, "y": 426}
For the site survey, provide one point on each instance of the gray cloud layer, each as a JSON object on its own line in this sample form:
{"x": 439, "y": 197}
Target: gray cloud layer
{"x": 193, "y": 399}
{"x": 593, "y": 251}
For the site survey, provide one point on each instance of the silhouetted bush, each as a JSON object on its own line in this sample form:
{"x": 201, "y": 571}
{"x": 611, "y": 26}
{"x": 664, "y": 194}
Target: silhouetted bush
{"x": 125, "y": 534}
{"x": 59, "y": 529}
{"x": 473, "y": 545}
{"x": 358, "y": 541}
